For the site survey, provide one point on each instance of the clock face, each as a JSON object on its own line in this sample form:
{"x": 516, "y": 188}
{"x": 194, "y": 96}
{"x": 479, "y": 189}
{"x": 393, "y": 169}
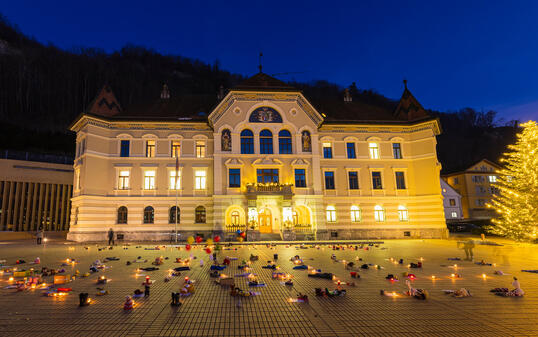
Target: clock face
{"x": 265, "y": 115}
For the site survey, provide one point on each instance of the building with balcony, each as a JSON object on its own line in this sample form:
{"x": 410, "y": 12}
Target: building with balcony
{"x": 265, "y": 157}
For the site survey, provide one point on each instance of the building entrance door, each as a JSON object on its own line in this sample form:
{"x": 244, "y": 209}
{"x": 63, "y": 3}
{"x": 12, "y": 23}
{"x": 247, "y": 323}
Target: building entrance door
{"x": 265, "y": 221}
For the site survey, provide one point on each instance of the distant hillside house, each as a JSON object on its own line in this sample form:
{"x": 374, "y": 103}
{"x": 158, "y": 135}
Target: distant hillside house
{"x": 476, "y": 185}
{"x": 451, "y": 202}
{"x": 265, "y": 158}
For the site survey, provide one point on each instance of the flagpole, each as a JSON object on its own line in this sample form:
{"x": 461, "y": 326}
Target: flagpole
{"x": 175, "y": 215}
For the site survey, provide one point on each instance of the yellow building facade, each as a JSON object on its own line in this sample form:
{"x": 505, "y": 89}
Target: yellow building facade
{"x": 266, "y": 159}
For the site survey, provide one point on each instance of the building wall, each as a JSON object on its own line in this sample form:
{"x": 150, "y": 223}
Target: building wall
{"x": 34, "y": 194}
{"x": 450, "y": 195}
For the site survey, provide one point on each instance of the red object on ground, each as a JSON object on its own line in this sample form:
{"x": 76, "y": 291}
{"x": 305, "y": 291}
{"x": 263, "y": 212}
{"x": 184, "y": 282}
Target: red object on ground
{"x": 217, "y": 238}
{"x": 64, "y": 290}
{"x": 128, "y": 305}
{"x": 226, "y": 262}
{"x": 353, "y": 274}
{"x": 188, "y": 247}
{"x": 208, "y": 250}
{"x": 198, "y": 239}
{"x": 243, "y": 234}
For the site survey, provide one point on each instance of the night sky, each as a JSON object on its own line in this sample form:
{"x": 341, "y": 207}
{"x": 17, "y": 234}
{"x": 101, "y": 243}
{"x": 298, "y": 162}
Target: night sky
{"x": 480, "y": 54}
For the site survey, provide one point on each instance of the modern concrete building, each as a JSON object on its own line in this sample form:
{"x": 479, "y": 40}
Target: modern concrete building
{"x": 451, "y": 203}
{"x": 265, "y": 157}
{"x": 35, "y": 191}
{"x": 476, "y": 185}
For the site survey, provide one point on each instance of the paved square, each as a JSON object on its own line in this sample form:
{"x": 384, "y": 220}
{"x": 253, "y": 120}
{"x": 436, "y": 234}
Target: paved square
{"x": 211, "y": 311}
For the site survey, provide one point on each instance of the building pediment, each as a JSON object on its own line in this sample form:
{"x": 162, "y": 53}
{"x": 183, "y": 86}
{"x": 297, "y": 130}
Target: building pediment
{"x": 267, "y": 161}
{"x": 300, "y": 162}
{"x": 234, "y": 162}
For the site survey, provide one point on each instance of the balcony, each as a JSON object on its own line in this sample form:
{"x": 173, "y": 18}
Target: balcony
{"x": 269, "y": 189}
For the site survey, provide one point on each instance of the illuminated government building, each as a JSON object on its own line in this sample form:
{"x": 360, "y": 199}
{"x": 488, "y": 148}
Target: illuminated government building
{"x": 265, "y": 157}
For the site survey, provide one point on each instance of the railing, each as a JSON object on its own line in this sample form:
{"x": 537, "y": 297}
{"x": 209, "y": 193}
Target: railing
{"x": 304, "y": 229}
{"x": 235, "y": 228}
{"x": 39, "y": 157}
{"x": 270, "y": 188}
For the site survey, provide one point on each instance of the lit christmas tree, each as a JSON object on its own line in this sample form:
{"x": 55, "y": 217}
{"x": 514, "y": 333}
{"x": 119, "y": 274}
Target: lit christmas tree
{"x": 517, "y": 200}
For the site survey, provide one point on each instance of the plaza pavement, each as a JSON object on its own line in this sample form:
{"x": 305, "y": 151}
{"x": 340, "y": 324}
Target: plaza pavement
{"x": 211, "y": 311}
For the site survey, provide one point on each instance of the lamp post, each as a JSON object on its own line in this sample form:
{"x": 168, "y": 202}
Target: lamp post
{"x": 176, "y": 186}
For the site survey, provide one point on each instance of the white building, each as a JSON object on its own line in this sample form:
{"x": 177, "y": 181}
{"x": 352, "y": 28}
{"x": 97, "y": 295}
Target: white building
{"x": 451, "y": 202}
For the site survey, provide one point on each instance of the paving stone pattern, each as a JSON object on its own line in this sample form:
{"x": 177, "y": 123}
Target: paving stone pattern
{"x": 211, "y": 311}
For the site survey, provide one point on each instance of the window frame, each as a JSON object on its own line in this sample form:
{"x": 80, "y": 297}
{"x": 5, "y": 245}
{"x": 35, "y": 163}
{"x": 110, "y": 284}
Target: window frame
{"x": 380, "y": 180}
{"x": 326, "y": 176}
{"x": 122, "y": 221}
{"x": 171, "y": 175}
{"x": 200, "y": 148}
{"x": 172, "y": 217}
{"x": 173, "y": 148}
{"x": 151, "y": 149}
{"x": 267, "y": 174}
{"x": 285, "y": 142}
{"x": 303, "y": 175}
{"x": 329, "y": 153}
{"x": 153, "y": 181}
{"x": 200, "y": 181}
{"x": 147, "y": 220}
{"x": 236, "y": 174}
{"x": 379, "y": 214}
{"x": 247, "y": 142}
{"x": 122, "y": 142}
{"x": 397, "y": 184}
{"x": 330, "y": 214}
{"x": 355, "y": 213}
{"x": 266, "y": 142}
{"x": 397, "y": 150}
{"x": 403, "y": 213}
{"x": 351, "y": 150}
{"x": 374, "y": 151}
{"x": 200, "y": 214}
{"x": 349, "y": 179}
{"x": 121, "y": 179}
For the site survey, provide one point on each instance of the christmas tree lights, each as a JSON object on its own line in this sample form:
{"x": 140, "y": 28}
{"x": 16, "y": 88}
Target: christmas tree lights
{"x": 516, "y": 202}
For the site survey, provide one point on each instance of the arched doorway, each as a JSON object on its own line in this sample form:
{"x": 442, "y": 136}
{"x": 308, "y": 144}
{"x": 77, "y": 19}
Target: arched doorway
{"x": 265, "y": 221}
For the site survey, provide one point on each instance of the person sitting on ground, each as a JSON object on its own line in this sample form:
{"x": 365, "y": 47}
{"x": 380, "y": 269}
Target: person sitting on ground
{"x": 516, "y": 292}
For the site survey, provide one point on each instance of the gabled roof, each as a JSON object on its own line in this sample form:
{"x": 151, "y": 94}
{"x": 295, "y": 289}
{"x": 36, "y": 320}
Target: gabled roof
{"x": 263, "y": 82}
{"x": 105, "y": 104}
{"x": 469, "y": 169}
{"x": 409, "y": 108}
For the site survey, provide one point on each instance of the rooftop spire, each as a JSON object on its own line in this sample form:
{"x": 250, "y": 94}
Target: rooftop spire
{"x": 260, "y": 66}
{"x": 405, "y": 83}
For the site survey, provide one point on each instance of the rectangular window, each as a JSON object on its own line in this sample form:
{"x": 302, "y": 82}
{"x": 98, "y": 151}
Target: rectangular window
{"x": 300, "y": 178}
{"x": 353, "y": 180}
{"x": 373, "y": 149}
{"x": 150, "y": 148}
{"x": 200, "y": 149}
{"x": 351, "y": 150}
{"x": 123, "y": 180}
{"x": 452, "y": 202}
{"x": 456, "y": 181}
{"x": 200, "y": 179}
{"x": 376, "y": 181}
{"x": 492, "y": 179}
{"x": 124, "y": 148}
{"x": 265, "y": 176}
{"x": 454, "y": 214}
{"x": 175, "y": 181}
{"x": 400, "y": 181}
{"x": 149, "y": 180}
{"x": 234, "y": 177}
{"x": 329, "y": 180}
{"x": 327, "y": 150}
{"x": 397, "y": 151}
{"x": 175, "y": 148}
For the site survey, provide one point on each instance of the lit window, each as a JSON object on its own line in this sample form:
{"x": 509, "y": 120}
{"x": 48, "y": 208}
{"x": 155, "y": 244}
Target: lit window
{"x": 331, "y": 214}
{"x": 353, "y": 180}
{"x": 452, "y": 202}
{"x": 379, "y": 213}
{"x": 200, "y": 179}
{"x": 124, "y": 148}
{"x": 150, "y": 148}
{"x": 175, "y": 180}
{"x": 149, "y": 214}
{"x": 329, "y": 180}
{"x": 175, "y": 148}
{"x": 403, "y": 214}
{"x": 396, "y": 151}
{"x": 454, "y": 214}
{"x": 376, "y": 181}
{"x": 235, "y": 218}
{"x": 200, "y": 149}
{"x": 149, "y": 180}
{"x": 284, "y": 142}
{"x": 266, "y": 142}
{"x": 351, "y": 150}
{"x": 400, "y": 181}
{"x": 199, "y": 214}
{"x": 327, "y": 150}
{"x": 122, "y": 215}
{"x": 374, "y": 150}
{"x": 234, "y": 177}
{"x": 300, "y": 178}
{"x": 123, "y": 180}
{"x": 355, "y": 214}
{"x": 492, "y": 179}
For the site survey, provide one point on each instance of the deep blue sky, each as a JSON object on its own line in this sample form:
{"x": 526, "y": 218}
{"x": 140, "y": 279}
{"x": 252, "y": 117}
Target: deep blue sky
{"x": 481, "y": 54}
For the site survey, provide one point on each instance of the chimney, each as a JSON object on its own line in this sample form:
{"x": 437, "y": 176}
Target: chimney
{"x": 165, "y": 93}
{"x": 220, "y": 94}
{"x": 347, "y": 95}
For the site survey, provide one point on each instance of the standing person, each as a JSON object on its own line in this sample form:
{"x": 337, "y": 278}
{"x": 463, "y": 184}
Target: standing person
{"x": 468, "y": 247}
{"x": 39, "y": 235}
{"x": 110, "y": 237}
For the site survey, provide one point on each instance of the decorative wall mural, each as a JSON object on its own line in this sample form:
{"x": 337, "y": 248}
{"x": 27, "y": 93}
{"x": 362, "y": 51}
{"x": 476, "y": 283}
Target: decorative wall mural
{"x": 265, "y": 114}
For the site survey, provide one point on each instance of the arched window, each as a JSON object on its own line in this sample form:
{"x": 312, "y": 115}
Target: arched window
{"x": 247, "y": 142}
{"x": 173, "y": 214}
{"x": 331, "y": 214}
{"x": 226, "y": 140}
{"x": 199, "y": 214}
{"x": 122, "y": 215}
{"x": 379, "y": 213}
{"x": 403, "y": 213}
{"x": 284, "y": 142}
{"x": 266, "y": 142}
{"x": 355, "y": 214}
{"x": 149, "y": 214}
{"x": 235, "y": 218}
{"x": 306, "y": 141}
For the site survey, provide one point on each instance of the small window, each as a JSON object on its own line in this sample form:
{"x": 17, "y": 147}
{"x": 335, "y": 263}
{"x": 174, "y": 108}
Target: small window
{"x": 492, "y": 179}
{"x": 452, "y": 202}
{"x": 373, "y": 149}
{"x": 407, "y": 233}
{"x": 175, "y": 148}
{"x": 122, "y": 215}
{"x": 150, "y": 148}
{"x": 400, "y": 181}
{"x": 234, "y": 177}
{"x": 284, "y": 142}
{"x": 200, "y": 179}
{"x": 200, "y": 216}
{"x": 247, "y": 142}
{"x": 351, "y": 150}
{"x": 456, "y": 181}
{"x": 266, "y": 142}
{"x": 200, "y": 149}
{"x": 173, "y": 215}
{"x": 327, "y": 150}
{"x": 454, "y": 214}
{"x": 396, "y": 151}
{"x": 331, "y": 214}
{"x": 300, "y": 178}
{"x": 329, "y": 180}
{"x": 149, "y": 215}
{"x": 353, "y": 180}
{"x": 403, "y": 214}
{"x": 124, "y": 148}
{"x": 355, "y": 214}
{"x": 149, "y": 180}
{"x": 379, "y": 214}
{"x": 376, "y": 181}
{"x": 175, "y": 180}
{"x": 123, "y": 180}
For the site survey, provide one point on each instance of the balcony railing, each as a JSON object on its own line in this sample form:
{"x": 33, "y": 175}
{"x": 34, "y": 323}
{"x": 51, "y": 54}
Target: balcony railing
{"x": 235, "y": 228}
{"x": 269, "y": 188}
